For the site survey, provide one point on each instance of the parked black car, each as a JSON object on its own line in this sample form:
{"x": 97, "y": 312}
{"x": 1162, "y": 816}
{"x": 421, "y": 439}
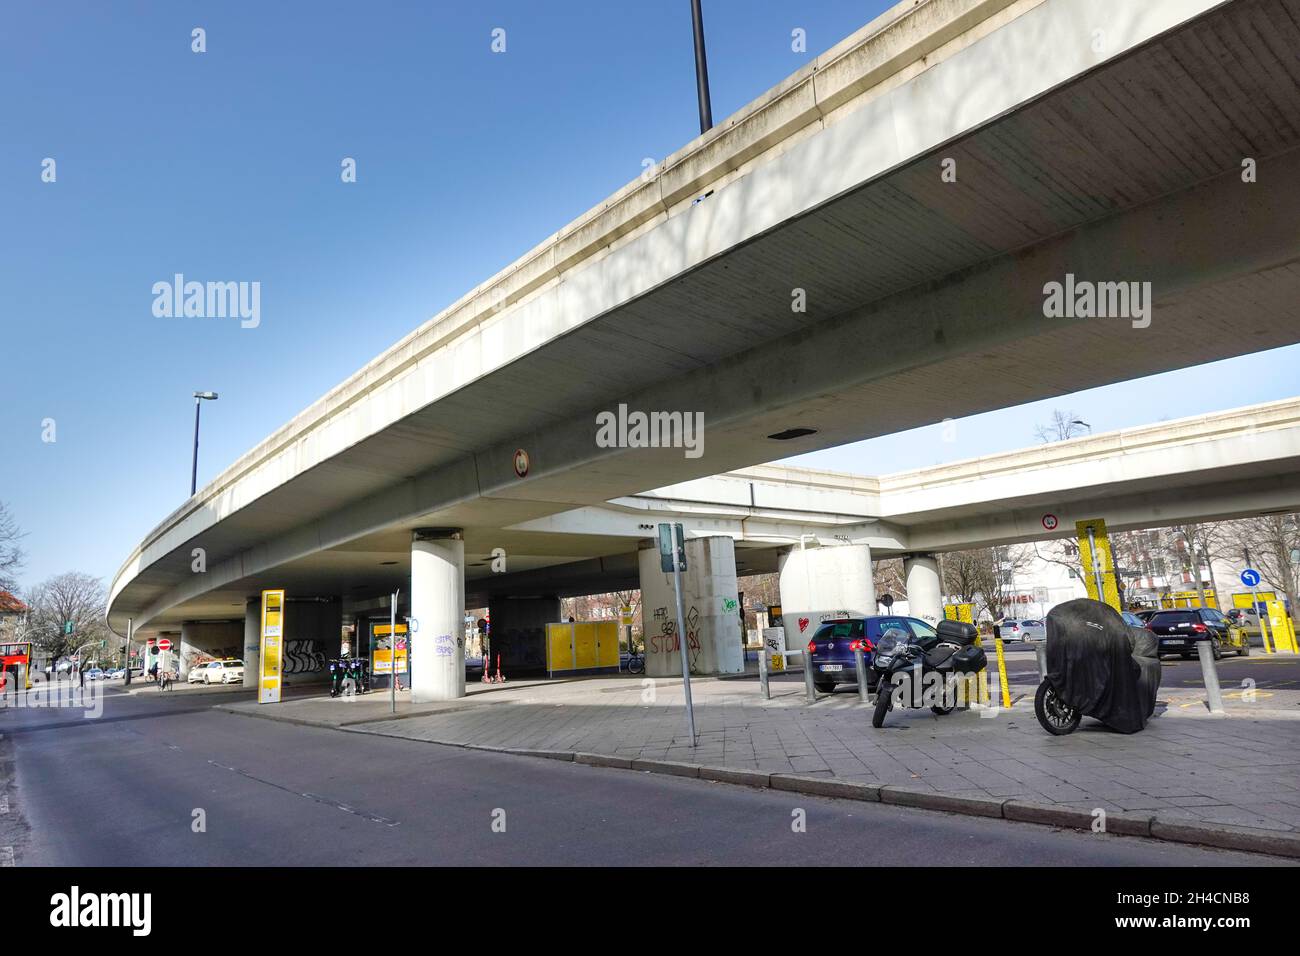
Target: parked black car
{"x": 832, "y": 646}
{"x": 1179, "y": 630}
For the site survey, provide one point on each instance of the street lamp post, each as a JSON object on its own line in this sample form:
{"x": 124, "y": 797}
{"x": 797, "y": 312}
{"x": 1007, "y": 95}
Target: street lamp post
{"x": 1083, "y": 423}
{"x": 701, "y": 69}
{"x": 199, "y": 399}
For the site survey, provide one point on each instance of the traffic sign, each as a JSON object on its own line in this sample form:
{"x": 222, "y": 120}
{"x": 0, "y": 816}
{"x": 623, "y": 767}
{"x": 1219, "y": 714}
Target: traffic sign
{"x": 164, "y": 645}
{"x": 1250, "y": 577}
{"x": 1050, "y": 522}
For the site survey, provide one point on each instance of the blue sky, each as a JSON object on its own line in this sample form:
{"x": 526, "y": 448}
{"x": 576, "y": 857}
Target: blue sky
{"x": 225, "y": 165}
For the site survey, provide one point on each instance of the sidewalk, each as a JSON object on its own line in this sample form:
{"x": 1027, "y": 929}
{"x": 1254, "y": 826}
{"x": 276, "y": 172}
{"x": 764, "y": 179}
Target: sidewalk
{"x": 1227, "y": 781}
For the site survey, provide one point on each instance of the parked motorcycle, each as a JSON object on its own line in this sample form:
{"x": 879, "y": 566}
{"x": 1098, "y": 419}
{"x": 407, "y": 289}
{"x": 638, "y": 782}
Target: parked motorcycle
{"x": 915, "y": 672}
{"x": 1097, "y": 666}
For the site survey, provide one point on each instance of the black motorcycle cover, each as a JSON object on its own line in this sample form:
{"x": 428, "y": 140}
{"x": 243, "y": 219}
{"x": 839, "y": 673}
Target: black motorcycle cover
{"x": 1091, "y": 663}
{"x": 1147, "y": 654}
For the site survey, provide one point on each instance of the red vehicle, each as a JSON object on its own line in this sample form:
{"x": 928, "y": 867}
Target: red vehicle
{"x": 15, "y": 665}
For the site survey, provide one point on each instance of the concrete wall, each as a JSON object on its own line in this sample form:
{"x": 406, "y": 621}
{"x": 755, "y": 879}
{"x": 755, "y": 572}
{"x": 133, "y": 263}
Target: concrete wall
{"x": 313, "y": 633}
{"x": 824, "y": 584}
{"x": 710, "y": 596}
{"x": 201, "y": 640}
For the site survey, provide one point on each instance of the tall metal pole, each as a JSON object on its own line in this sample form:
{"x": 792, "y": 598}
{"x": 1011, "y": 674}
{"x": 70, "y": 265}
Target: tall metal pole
{"x": 701, "y": 69}
{"x": 130, "y": 624}
{"x": 194, "y": 468}
{"x": 392, "y": 644}
{"x": 681, "y": 646}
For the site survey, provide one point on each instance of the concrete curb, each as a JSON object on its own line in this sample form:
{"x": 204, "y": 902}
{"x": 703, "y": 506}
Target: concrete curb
{"x": 826, "y": 787}
{"x": 1126, "y": 824}
{"x": 672, "y": 767}
{"x": 1197, "y": 833}
{"x": 1226, "y": 837}
{"x": 929, "y": 800}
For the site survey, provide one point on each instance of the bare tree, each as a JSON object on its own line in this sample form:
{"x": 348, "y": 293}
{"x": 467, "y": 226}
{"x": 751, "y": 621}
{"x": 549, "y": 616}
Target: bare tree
{"x": 11, "y": 555}
{"x": 887, "y": 575}
{"x": 985, "y": 577}
{"x": 69, "y": 597}
{"x": 1063, "y": 426}
{"x": 1273, "y": 541}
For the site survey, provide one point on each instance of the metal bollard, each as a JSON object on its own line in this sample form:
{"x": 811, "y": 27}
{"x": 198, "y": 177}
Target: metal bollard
{"x": 1210, "y": 674}
{"x": 1040, "y": 650}
{"x": 762, "y": 674}
{"x": 1002, "y": 674}
{"x": 860, "y": 665}
{"x": 808, "y": 678}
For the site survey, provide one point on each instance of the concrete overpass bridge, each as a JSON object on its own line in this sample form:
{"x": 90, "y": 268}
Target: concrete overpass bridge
{"x": 863, "y": 249}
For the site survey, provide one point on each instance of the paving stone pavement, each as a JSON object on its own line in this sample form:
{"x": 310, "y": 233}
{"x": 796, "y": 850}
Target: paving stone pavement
{"x": 1242, "y": 770}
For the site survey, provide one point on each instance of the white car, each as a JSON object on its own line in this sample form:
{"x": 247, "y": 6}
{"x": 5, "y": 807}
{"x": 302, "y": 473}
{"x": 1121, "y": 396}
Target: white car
{"x": 224, "y": 672}
{"x": 198, "y": 673}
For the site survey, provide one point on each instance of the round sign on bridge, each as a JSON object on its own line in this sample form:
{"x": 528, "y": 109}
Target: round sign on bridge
{"x": 1250, "y": 577}
{"x": 1050, "y": 522}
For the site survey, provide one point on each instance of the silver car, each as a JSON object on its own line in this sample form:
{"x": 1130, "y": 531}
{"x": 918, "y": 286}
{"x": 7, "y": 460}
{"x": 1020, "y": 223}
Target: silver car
{"x": 1029, "y": 629}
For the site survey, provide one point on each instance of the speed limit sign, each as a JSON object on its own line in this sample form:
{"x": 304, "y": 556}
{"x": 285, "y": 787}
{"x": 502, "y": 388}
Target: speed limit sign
{"x": 1050, "y": 522}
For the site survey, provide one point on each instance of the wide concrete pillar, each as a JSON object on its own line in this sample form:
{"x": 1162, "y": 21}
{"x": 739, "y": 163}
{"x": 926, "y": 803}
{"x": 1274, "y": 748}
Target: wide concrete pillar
{"x": 252, "y": 641}
{"x": 437, "y": 609}
{"x": 924, "y": 590}
{"x": 714, "y": 641}
{"x": 822, "y": 584}
{"x": 206, "y": 639}
{"x": 189, "y": 649}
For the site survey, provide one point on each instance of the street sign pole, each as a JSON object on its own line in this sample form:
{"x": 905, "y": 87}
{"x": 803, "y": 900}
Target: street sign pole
{"x": 392, "y": 659}
{"x": 675, "y": 559}
{"x": 1251, "y": 578}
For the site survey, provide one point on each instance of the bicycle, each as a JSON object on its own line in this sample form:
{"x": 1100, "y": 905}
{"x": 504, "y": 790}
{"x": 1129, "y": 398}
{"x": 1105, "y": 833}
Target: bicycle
{"x": 635, "y": 662}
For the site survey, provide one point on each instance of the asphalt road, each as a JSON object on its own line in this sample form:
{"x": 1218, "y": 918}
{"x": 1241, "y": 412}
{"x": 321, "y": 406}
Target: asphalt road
{"x": 124, "y": 789}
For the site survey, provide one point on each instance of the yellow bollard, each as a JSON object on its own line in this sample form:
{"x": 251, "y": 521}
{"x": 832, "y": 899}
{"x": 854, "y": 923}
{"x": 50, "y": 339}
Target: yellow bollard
{"x": 980, "y": 679}
{"x": 1002, "y": 674}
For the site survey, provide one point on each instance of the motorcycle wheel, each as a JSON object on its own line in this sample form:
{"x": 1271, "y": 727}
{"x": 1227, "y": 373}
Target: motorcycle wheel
{"x": 1055, "y": 716}
{"x": 883, "y": 703}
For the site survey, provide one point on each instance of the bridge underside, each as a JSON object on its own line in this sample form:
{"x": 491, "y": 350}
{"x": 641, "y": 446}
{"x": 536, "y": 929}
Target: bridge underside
{"x": 920, "y": 295}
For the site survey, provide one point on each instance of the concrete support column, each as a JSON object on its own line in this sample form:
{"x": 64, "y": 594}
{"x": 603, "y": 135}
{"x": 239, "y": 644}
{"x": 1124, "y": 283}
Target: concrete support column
{"x": 252, "y": 641}
{"x": 714, "y": 642}
{"x": 822, "y": 584}
{"x": 189, "y": 649}
{"x": 924, "y": 590}
{"x": 437, "y": 607}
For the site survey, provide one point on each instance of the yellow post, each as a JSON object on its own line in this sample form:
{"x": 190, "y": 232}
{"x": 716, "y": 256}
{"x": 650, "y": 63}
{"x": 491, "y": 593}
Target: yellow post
{"x": 1002, "y": 674}
{"x": 1280, "y": 622}
{"x": 1098, "y": 565}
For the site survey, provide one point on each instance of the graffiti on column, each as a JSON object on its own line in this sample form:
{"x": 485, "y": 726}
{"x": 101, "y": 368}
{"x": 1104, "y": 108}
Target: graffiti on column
{"x": 444, "y": 646}
{"x": 304, "y": 656}
{"x": 666, "y": 642}
{"x": 693, "y": 638}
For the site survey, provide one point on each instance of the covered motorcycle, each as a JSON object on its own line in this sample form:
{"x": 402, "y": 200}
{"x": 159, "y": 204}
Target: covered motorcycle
{"x": 1097, "y": 666}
